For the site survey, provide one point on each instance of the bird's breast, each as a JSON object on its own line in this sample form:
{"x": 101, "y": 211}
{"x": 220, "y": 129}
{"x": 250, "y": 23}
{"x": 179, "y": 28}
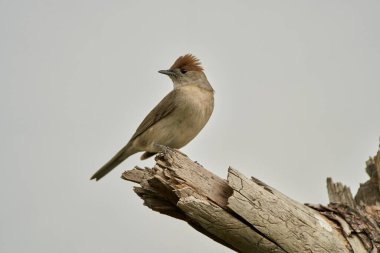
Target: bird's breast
{"x": 193, "y": 109}
{"x": 196, "y": 103}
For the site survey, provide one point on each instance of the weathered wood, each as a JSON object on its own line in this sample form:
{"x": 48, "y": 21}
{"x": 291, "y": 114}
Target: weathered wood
{"x": 243, "y": 214}
{"x": 182, "y": 189}
{"x": 360, "y": 216}
{"x": 339, "y": 193}
{"x": 369, "y": 192}
{"x": 293, "y": 226}
{"x": 357, "y": 225}
{"x": 223, "y": 225}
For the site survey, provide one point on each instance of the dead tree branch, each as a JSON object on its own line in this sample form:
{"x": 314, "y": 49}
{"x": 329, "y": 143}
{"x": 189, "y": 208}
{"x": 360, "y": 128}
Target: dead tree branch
{"x": 247, "y": 215}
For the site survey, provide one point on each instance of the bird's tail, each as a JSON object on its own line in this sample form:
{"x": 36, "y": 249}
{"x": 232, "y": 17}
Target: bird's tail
{"x": 123, "y": 154}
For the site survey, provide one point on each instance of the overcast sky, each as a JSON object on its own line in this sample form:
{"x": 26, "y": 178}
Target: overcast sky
{"x": 297, "y": 100}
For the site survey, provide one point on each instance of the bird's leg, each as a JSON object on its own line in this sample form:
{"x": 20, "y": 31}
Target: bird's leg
{"x": 164, "y": 149}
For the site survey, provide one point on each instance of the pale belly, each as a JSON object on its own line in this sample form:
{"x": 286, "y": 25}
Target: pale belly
{"x": 181, "y": 126}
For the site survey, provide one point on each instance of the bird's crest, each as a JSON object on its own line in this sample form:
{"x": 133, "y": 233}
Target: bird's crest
{"x": 188, "y": 62}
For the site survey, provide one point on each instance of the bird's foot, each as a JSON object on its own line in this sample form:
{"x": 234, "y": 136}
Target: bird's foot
{"x": 164, "y": 149}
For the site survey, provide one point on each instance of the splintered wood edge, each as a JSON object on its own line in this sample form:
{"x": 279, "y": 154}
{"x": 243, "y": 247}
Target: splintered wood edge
{"x": 135, "y": 175}
{"x": 369, "y": 192}
{"x": 339, "y": 193}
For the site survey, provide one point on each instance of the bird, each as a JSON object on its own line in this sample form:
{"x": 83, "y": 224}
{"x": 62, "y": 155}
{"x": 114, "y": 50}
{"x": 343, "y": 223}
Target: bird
{"x": 176, "y": 119}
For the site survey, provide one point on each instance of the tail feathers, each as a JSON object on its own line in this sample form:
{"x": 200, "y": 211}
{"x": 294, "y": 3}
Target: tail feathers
{"x": 123, "y": 154}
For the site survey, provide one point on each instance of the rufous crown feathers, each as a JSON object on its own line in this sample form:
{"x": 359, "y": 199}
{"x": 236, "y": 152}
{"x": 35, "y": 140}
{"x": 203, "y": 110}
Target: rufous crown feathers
{"x": 187, "y": 62}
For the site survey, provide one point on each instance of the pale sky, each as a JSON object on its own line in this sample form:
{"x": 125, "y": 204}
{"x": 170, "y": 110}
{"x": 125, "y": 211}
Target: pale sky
{"x": 297, "y": 100}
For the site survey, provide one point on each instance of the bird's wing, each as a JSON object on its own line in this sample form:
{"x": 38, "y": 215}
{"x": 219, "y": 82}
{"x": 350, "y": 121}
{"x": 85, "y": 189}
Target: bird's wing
{"x": 163, "y": 109}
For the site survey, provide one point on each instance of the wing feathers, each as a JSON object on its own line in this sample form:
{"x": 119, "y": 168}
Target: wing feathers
{"x": 163, "y": 109}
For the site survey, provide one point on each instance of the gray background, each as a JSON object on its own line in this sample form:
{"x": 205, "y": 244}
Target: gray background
{"x": 297, "y": 100}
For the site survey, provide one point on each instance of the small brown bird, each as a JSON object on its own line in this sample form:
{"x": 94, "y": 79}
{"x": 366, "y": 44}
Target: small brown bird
{"x": 176, "y": 120}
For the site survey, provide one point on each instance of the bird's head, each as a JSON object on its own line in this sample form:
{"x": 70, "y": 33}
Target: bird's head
{"x": 187, "y": 70}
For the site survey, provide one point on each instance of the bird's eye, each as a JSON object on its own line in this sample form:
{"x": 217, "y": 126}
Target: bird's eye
{"x": 183, "y": 71}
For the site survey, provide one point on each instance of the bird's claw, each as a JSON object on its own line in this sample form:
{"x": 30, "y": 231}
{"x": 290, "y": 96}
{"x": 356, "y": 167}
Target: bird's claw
{"x": 164, "y": 149}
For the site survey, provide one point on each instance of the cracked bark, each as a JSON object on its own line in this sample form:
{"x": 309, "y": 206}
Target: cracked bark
{"x": 246, "y": 215}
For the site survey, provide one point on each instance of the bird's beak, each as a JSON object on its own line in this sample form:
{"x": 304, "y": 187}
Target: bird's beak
{"x": 167, "y": 72}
